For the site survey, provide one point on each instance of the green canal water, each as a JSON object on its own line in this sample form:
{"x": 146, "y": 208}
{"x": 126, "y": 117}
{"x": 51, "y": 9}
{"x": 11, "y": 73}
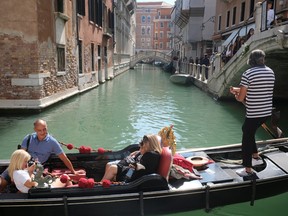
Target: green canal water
{"x": 142, "y": 101}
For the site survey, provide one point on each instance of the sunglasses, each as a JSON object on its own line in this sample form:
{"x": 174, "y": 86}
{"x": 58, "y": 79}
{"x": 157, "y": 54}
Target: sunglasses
{"x": 145, "y": 139}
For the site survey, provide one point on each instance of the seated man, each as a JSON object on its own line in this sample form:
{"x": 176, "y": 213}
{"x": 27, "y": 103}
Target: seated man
{"x": 40, "y": 145}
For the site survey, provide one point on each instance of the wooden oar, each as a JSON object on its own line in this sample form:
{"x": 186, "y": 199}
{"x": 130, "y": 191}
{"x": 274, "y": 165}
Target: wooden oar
{"x": 266, "y": 128}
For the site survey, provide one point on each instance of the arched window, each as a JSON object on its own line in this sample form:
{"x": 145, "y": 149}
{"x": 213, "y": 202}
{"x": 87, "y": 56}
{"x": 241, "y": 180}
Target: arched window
{"x": 143, "y": 19}
{"x": 148, "y": 19}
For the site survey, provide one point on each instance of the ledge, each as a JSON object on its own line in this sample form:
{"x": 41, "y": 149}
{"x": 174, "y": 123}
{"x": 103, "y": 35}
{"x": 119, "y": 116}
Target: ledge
{"x": 61, "y": 73}
{"x": 62, "y": 16}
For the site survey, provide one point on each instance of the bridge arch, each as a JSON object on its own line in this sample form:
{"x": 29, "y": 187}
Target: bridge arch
{"x": 157, "y": 55}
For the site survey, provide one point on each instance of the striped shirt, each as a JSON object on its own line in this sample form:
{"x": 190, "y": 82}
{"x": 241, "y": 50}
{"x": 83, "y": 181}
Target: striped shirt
{"x": 259, "y": 82}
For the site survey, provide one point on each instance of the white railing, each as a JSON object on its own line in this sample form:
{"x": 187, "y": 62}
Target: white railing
{"x": 197, "y": 71}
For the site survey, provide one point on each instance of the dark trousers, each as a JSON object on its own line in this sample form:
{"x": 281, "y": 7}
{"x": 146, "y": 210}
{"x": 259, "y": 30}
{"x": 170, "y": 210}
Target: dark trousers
{"x": 249, "y": 147}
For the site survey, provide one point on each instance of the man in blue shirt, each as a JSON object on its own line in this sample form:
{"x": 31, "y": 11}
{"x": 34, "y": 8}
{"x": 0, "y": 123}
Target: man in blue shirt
{"x": 40, "y": 146}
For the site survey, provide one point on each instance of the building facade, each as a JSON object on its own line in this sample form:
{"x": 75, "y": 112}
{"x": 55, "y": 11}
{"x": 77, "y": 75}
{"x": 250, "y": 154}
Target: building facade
{"x": 236, "y": 17}
{"x": 193, "y": 27}
{"x": 153, "y": 26}
{"x": 124, "y": 34}
{"x": 51, "y": 50}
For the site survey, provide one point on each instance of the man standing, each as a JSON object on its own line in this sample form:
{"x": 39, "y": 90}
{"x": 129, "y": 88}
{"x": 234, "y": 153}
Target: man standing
{"x": 256, "y": 91}
{"x": 271, "y": 18}
{"x": 40, "y": 145}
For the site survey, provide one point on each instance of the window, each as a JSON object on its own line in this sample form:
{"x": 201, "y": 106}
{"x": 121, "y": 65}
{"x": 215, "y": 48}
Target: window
{"x": 234, "y": 16}
{"x": 161, "y": 34}
{"x": 143, "y": 44}
{"x": 161, "y": 45}
{"x": 80, "y": 56}
{"x": 219, "y": 23}
{"x": 156, "y": 36}
{"x": 168, "y": 45}
{"x": 148, "y": 19}
{"x": 61, "y": 58}
{"x": 143, "y": 30}
{"x": 161, "y": 24}
{"x": 228, "y": 19}
{"x": 99, "y": 51}
{"x": 148, "y": 30}
{"x": 99, "y": 5}
{"x": 95, "y": 11}
{"x": 168, "y": 34}
{"x": 92, "y": 58}
{"x": 59, "y": 6}
{"x": 242, "y": 16}
{"x": 111, "y": 19}
{"x": 143, "y": 19}
{"x": 252, "y": 4}
{"x": 81, "y": 7}
{"x": 92, "y": 11}
{"x": 148, "y": 45}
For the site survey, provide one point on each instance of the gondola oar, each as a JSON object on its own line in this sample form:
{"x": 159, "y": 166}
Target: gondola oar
{"x": 267, "y": 129}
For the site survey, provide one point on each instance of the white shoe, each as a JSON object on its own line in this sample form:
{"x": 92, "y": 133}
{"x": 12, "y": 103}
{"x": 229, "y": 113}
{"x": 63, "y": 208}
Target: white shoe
{"x": 257, "y": 161}
{"x": 242, "y": 172}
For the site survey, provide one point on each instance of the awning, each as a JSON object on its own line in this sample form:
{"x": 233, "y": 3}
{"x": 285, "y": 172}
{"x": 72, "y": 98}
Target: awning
{"x": 242, "y": 32}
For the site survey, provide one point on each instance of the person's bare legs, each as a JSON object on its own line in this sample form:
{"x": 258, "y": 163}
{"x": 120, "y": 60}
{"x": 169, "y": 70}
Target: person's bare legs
{"x": 110, "y": 173}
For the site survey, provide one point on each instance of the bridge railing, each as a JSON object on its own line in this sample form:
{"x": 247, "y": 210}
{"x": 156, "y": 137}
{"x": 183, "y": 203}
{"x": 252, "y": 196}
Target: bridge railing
{"x": 200, "y": 72}
{"x": 147, "y": 54}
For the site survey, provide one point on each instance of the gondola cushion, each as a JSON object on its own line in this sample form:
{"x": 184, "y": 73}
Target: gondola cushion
{"x": 165, "y": 162}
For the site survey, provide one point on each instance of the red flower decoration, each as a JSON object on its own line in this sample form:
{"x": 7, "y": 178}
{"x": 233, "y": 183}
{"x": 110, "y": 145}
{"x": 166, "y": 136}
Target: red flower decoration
{"x": 101, "y": 150}
{"x": 70, "y": 146}
{"x": 82, "y": 183}
{"x": 64, "y": 178}
{"x": 85, "y": 149}
{"x": 90, "y": 183}
{"x": 106, "y": 183}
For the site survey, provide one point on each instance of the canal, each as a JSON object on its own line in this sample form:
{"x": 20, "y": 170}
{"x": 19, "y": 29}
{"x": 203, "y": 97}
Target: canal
{"x": 142, "y": 101}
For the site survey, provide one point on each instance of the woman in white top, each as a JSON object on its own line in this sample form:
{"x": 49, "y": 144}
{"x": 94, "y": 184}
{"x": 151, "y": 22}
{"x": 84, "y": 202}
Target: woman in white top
{"x": 21, "y": 174}
{"x": 19, "y": 171}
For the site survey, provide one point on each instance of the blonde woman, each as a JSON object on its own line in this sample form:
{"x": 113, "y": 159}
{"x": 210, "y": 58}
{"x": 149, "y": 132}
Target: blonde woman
{"x": 148, "y": 162}
{"x": 21, "y": 174}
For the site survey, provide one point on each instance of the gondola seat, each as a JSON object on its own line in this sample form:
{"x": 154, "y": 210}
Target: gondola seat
{"x": 165, "y": 162}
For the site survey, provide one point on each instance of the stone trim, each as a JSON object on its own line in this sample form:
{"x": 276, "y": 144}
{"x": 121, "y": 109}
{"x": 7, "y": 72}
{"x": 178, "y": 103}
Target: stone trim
{"x": 33, "y": 80}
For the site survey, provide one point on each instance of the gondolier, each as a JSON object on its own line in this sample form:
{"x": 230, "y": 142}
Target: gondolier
{"x": 256, "y": 91}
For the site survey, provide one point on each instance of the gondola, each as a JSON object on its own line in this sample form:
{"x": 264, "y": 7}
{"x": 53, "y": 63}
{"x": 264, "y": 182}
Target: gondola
{"x": 153, "y": 194}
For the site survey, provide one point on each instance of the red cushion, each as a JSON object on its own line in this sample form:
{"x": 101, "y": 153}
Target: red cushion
{"x": 59, "y": 172}
{"x": 165, "y": 162}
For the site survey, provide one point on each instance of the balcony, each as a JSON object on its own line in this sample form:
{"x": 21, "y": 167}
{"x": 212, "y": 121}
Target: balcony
{"x": 107, "y": 32}
{"x": 182, "y": 11}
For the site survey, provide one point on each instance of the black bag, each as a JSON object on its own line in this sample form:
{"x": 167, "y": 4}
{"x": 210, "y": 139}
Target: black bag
{"x": 28, "y": 142}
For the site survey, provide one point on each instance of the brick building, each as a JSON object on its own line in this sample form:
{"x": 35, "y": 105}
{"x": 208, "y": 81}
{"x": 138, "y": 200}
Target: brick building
{"x": 153, "y": 23}
{"x": 51, "y": 50}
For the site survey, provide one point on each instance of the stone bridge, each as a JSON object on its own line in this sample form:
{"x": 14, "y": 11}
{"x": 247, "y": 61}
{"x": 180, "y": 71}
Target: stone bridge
{"x": 156, "y": 55}
{"x": 275, "y": 44}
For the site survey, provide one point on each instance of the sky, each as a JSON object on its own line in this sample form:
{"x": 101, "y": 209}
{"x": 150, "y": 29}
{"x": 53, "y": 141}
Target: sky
{"x": 167, "y": 1}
